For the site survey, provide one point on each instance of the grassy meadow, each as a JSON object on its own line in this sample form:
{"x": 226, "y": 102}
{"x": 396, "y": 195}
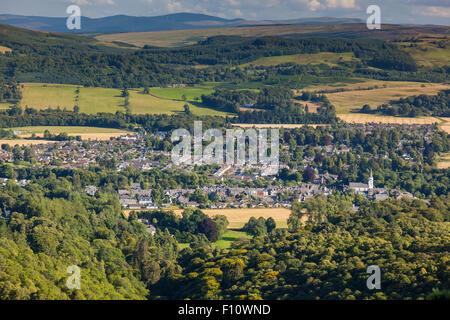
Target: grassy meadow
{"x": 428, "y": 51}
{"x": 191, "y": 94}
{"x": 43, "y": 96}
{"x": 229, "y": 237}
{"x": 329, "y": 58}
{"x": 95, "y": 100}
{"x": 150, "y": 104}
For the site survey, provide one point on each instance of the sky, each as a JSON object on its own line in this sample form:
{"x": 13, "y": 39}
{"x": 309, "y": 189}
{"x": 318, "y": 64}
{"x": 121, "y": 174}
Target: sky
{"x": 392, "y": 11}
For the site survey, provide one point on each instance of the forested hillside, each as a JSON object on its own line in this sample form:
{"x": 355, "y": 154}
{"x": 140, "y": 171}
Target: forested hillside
{"x": 58, "y": 58}
{"x": 53, "y": 226}
{"x": 46, "y": 234}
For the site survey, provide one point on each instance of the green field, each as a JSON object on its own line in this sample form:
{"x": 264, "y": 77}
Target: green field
{"x": 329, "y": 58}
{"x": 48, "y": 96}
{"x": 94, "y": 100}
{"x": 191, "y": 94}
{"x": 91, "y": 100}
{"x": 146, "y": 103}
{"x": 229, "y": 237}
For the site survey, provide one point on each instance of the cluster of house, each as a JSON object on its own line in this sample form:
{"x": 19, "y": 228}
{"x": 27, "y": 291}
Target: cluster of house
{"x": 22, "y": 182}
{"x": 136, "y": 197}
{"x": 224, "y": 196}
{"x": 221, "y": 196}
{"x": 128, "y": 150}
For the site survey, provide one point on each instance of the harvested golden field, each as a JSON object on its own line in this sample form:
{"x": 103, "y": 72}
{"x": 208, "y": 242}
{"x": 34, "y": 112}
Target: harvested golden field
{"x": 444, "y": 162}
{"x": 238, "y": 217}
{"x": 371, "y": 118}
{"x": 445, "y": 124}
{"x": 86, "y": 133}
{"x": 275, "y": 126}
{"x": 5, "y": 49}
{"x": 356, "y": 95}
{"x": 24, "y": 142}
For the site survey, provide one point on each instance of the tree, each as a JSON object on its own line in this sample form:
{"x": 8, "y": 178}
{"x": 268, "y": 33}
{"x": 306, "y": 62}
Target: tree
{"x": 327, "y": 140}
{"x": 28, "y": 155}
{"x": 17, "y": 153}
{"x": 366, "y": 109}
{"x": 256, "y": 227}
{"x": 198, "y": 196}
{"x": 309, "y": 174}
{"x": 221, "y": 223}
{"x": 125, "y": 92}
{"x": 270, "y": 224}
{"x": 209, "y": 228}
{"x": 187, "y": 110}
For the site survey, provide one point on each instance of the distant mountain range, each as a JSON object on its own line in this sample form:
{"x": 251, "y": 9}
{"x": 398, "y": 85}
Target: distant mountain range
{"x": 177, "y": 21}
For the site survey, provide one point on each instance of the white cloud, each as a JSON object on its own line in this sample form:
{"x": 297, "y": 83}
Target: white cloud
{"x": 174, "y": 6}
{"x": 313, "y": 5}
{"x": 346, "y": 4}
{"x": 81, "y": 2}
{"x": 92, "y": 2}
{"x": 443, "y": 12}
{"x": 110, "y": 2}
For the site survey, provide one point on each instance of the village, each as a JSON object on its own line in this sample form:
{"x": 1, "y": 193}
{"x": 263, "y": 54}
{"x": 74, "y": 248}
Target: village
{"x": 229, "y": 184}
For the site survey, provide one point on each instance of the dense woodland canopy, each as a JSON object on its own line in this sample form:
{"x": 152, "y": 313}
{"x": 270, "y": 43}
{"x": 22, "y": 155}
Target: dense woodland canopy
{"x": 326, "y": 258}
{"x": 9, "y": 92}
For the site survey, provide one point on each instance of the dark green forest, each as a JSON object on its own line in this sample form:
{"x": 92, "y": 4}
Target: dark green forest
{"x": 325, "y": 258}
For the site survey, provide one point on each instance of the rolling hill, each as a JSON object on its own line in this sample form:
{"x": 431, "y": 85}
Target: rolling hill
{"x": 178, "y": 38}
{"x": 177, "y": 21}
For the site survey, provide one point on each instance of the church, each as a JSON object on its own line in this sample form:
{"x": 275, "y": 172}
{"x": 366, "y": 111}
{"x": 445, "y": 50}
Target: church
{"x": 362, "y": 187}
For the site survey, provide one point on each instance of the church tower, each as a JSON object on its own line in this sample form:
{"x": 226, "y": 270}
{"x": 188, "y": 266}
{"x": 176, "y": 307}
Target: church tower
{"x": 370, "y": 180}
